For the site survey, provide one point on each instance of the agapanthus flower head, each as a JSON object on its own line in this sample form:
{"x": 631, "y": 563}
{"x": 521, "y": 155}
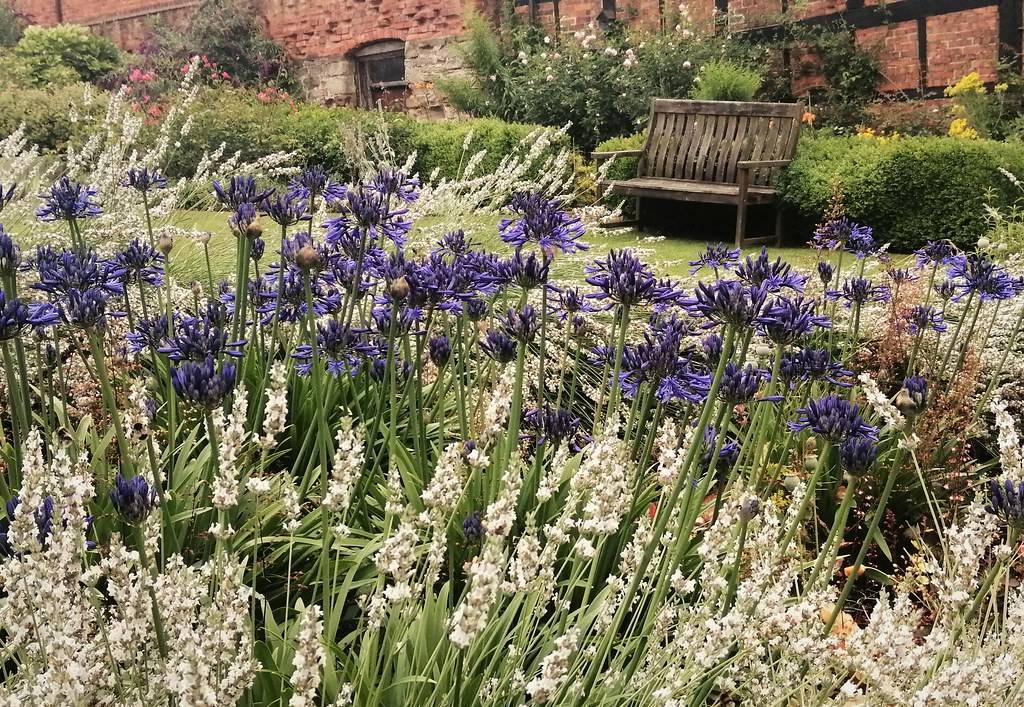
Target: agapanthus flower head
{"x": 343, "y": 349}
{"x": 86, "y": 309}
{"x": 149, "y": 333}
{"x": 935, "y": 253}
{"x": 141, "y": 262}
{"x": 837, "y": 232}
{"x": 379, "y": 369}
{"x": 924, "y": 316}
{"x": 715, "y": 256}
{"x": 916, "y": 388}
{"x": 520, "y": 324}
{"x": 68, "y": 200}
{"x": 568, "y": 301}
{"x": 310, "y": 183}
{"x": 740, "y": 383}
{"x": 17, "y": 316}
{"x": 857, "y": 455}
{"x": 786, "y": 320}
{"x": 202, "y": 383}
{"x": 860, "y": 291}
{"x": 825, "y": 272}
{"x": 286, "y": 209}
{"x": 43, "y": 517}
{"x": 395, "y": 182}
{"x": 529, "y": 270}
{"x": 257, "y": 248}
{"x": 727, "y": 302}
{"x": 499, "y": 346}
{"x": 1006, "y": 500}
{"x": 476, "y": 309}
{"x": 555, "y": 425}
{"x": 945, "y": 290}
{"x": 814, "y": 365}
{"x": 243, "y": 216}
{"x": 133, "y": 498}
{"x": 440, "y": 350}
{"x": 543, "y": 222}
{"x": 455, "y": 243}
{"x": 900, "y": 276}
{"x": 7, "y": 195}
{"x": 197, "y": 338}
{"x": 61, "y": 272}
{"x": 977, "y": 274}
{"x": 727, "y": 455}
{"x": 240, "y": 190}
{"x": 10, "y": 254}
{"x": 712, "y": 345}
{"x": 833, "y": 417}
{"x": 144, "y": 180}
{"x": 771, "y": 275}
{"x": 473, "y": 527}
{"x": 622, "y": 278}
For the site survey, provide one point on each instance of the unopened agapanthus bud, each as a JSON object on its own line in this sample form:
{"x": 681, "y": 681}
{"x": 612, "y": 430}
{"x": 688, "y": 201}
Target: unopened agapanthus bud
{"x": 165, "y": 244}
{"x": 906, "y": 404}
{"x": 132, "y": 498}
{"x": 307, "y": 258}
{"x": 253, "y": 230}
{"x": 204, "y": 237}
{"x": 197, "y": 288}
{"x": 399, "y": 288}
{"x": 763, "y": 350}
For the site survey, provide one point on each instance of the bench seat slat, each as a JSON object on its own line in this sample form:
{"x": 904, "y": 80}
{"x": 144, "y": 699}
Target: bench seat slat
{"x": 689, "y": 190}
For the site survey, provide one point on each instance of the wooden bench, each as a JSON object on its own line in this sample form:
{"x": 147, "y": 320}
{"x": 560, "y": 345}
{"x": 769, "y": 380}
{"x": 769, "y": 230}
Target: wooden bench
{"x": 719, "y": 152}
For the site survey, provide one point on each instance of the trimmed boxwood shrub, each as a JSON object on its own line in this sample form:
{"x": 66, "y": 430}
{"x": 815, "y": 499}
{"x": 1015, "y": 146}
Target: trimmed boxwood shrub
{"x": 910, "y": 190}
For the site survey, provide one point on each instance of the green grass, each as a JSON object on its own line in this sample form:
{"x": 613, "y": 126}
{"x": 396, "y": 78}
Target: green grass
{"x": 669, "y": 255}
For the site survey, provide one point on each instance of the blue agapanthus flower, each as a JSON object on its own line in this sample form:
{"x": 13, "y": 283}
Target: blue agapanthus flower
{"x": 310, "y": 183}
{"x": 202, "y": 383}
{"x": 917, "y": 388}
{"x": 343, "y": 349}
{"x": 456, "y": 244}
{"x": 657, "y": 362}
{"x": 813, "y": 365}
{"x": 771, "y": 275}
{"x": 741, "y": 383}
{"x": 150, "y": 333}
{"x": 16, "y": 316}
{"x": 857, "y": 455}
{"x": 836, "y": 233}
{"x": 286, "y": 209}
{"x": 712, "y": 346}
{"x": 140, "y": 262}
{"x": 727, "y": 302}
{"x": 365, "y": 217}
{"x": 61, "y": 272}
{"x": 68, "y": 200}
{"x": 1006, "y": 500}
{"x": 786, "y": 320}
{"x": 144, "y": 180}
{"x": 133, "y": 498}
{"x": 521, "y": 325}
{"x": 240, "y": 190}
{"x": 715, "y": 257}
{"x": 922, "y": 317}
{"x": 825, "y": 272}
{"x": 860, "y": 291}
{"x": 197, "y": 338}
{"x": 543, "y": 222}
{"x": 10, "y": 254}
{"x": 529, "y": 270}
{"x": 499, "y": 346}
{"x": 833, "y": 417}
{"x": 623, "y": 279}
{"x": 727, "y": 455}
{"x": 440, "y": 350}
{"x": 243, "y": 216}
{"x": 564, "y": 302}
{"x": 283, "y": 292}
{"x": 935, "y": 253}
{"x": 975, "y": 273}
{"x": 553, "y": 426}
{"x": 396, "y": 183}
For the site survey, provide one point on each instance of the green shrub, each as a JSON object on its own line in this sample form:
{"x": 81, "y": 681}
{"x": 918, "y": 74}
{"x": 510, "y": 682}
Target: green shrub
{"x": 45, "y": 115}
{"x": 439, "y": 146}
{"x": 725, "y": 81}
{"x": 623, "y": 167}
{"x": 44, "y": 50}
{"x": 12, "y": 24}
{"x": 910, "y": 190}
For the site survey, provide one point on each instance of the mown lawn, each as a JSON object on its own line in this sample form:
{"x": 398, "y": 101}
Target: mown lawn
{"x": 669, "y": 255}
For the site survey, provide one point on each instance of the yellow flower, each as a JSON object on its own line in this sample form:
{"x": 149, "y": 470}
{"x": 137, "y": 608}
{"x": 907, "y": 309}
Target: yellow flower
{"x": 971, "y": 83}
{"x": 962, "y": 129}
{"x": 1001, "y": 87}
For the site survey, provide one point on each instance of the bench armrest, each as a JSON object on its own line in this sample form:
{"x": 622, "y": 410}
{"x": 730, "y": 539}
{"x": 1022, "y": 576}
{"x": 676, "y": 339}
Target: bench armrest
{"x": 754, "y": 164}
{"x": 598, "y": 156}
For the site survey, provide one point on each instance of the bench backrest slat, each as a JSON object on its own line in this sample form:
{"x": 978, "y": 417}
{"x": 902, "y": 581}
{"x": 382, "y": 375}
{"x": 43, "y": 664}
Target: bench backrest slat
{"x": 703, "y": 140}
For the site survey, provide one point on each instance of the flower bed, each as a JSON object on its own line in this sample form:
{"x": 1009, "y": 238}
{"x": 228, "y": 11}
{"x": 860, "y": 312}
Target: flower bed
{"x": 367, "y": 473}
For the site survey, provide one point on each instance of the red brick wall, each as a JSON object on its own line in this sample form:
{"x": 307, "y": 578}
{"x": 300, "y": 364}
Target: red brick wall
{"x": 897, "y": 48}
{"x": 963, "y": 42}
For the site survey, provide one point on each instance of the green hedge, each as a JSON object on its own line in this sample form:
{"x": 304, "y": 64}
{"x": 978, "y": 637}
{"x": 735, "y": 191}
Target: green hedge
{"x": 910, "y": 190}
{"x": 318, "y": 134}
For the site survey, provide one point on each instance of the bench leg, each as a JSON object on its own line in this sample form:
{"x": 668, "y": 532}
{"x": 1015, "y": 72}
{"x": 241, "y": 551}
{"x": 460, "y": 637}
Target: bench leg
{"x": 741, "y": 222}
{"x": 778, "y": 225}
{"x": 636, "y": 214}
